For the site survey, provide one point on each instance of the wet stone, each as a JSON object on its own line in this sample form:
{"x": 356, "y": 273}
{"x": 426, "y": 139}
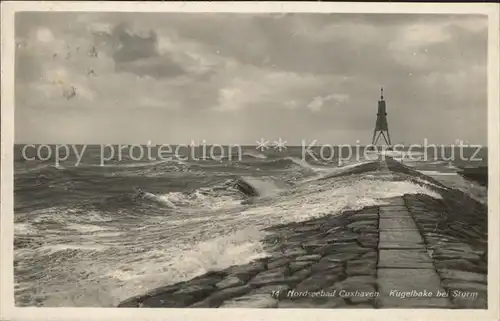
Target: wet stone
{"x": 272, "y": 239}
{"x": 361, "y": 267}
{"x": 312, "y": 246}
{"x": 401, "y": 237}
{"x": 451, "y": 245}
{"x": 341, "y": 248}
{"x": 404, "y": 259}
{"x": 330, "y": 228}
{"x": 166, "y": 289}
{"x": 296, "y": 266}
{"x": 209, "y": 278}
{"x": 442, "y": 254}
{"x": 369, "y": 210}
{"x": 341, "y": 257}
{"x": 401, "y": 207}
{"x": 339, "y": 238}
{"x": 424, "y": 218}
{"x": 397, "y": 224}
{"x": 436, "y": 241}
{"x": 464, "y": 286}
{"x": 275, "y": 228}
{"x": 245, "y": 272}
{"x": 361, "y": 224}
{"x": 130, "y": 303}
{"x": 314, "y": 238}
{"x": 362, "y": 217}
{"x": 307, "y": 228}
{"x": 372, "y": 255}
{"x": 318, "y": 281}
{"x": 394, "y": 202}
{"x": 296, "y": 251}
{"x": 324, "y": 265}
{"x": 196, "y": 291}
{"x": 393, "y": 212}
{"x": 279, "y": 262}
{"x": 230, "y": 281}
{"x": 456, "y": 264}
{"x": 293, "y": 242}
{"x": 312, "y": 257}
{"x": 273, "y": 277}
{"x": 218, "y": 297}
{"x": 459, "y": 247}
{"x": 284, "y": 270}
{"x": 427, "y": 227}
{"x": 387, "y": 242}
{"x": 462, "y": 275}
{"x": 303, "y": 274}
{"x": 368, "y": 241}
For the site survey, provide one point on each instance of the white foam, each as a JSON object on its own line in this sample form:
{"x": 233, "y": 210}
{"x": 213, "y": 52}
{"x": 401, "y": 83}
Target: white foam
{"x": 438, "y": 173}
{"x": 85, "y": 228}
{"x": 170, "y": 265}
{"x": 197, "y": 200}
{"x": 163, "y": 199}
{"x": 305, "y": 165}
{"x": 334, "y": 170}
{"x": 24, "y": 229}
{"x": 254, "y": 154}
{"x": 51, "y": 249}
{"x": 264, "y": 186}
{"x": 454, "y": 180}
{"x": 340, "y": 195}
{"x": 428, "y": 183}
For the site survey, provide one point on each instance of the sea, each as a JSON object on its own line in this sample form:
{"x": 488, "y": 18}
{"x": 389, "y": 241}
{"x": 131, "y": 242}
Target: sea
{"x": 91, "y": 233}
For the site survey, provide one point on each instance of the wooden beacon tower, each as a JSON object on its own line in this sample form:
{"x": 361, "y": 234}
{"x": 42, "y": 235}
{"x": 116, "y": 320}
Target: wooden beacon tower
{"x": 381, "y": 126}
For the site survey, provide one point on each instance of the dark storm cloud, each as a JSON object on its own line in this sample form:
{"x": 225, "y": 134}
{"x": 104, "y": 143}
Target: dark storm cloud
{"x": 158, "y": 67}
{"x": 139, "y": 54}
{"x": 132, "y": 47}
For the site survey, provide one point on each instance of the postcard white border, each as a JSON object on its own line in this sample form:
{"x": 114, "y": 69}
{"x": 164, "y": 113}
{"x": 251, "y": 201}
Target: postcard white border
{"x": 9, "y": 312}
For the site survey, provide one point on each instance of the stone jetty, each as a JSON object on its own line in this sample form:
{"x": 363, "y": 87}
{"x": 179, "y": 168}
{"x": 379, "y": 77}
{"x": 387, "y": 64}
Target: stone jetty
{"x": 413, "y": 251}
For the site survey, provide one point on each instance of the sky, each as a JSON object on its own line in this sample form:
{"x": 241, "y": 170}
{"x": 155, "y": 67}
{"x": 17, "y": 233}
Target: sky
{"x": 234, "y": 78}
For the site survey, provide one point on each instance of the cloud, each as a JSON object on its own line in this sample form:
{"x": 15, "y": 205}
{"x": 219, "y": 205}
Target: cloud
{"x": 218, "y": 74}
{"x": 318, "y": 102}
{"x": 44, "y": 35}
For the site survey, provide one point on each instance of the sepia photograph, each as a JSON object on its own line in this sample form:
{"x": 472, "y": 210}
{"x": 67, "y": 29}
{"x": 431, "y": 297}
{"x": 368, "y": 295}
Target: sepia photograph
{"x": 292, "y": 160}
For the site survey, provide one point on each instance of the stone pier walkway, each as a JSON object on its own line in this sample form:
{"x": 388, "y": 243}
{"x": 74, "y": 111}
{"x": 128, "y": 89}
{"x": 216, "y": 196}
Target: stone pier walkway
{"x": 412, "y": 252}
{"x": 404, "y": 264}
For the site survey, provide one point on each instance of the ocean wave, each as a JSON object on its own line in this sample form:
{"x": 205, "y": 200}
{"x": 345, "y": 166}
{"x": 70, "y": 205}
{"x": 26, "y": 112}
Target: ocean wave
{"x": 228, "y": 194}
{"x": 456, "y": 181}
{"x": 254, "y": 154}
{"x": 73, "y": 248}
{"x": 220, "y": 252}
{"x": 334, "y": 196}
